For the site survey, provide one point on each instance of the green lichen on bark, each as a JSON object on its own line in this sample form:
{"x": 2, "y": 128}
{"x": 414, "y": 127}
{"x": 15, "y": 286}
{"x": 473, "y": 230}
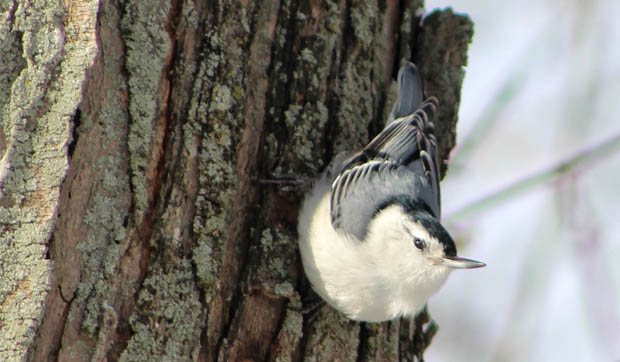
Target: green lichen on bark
{"x": 169, "y": 315}
{"x": 147, "y": 46}
{"x": 274, "y": 271}
{"x": 354, "y": 98}
{"x": 104, "y": 245}
{"x": 100, "y": 165}
{"x": 299, "y": 91}
{"x": 214, "y": 158}
{"x": 170, "y": 302}
{"x": 290, "y": 334}
{"x": 307, "y": 124}
{"x": 44, "y": 89}
{"x": 11, "y": 62}
{"x": 217, "y": 110}
{"x": 331, "y": 331}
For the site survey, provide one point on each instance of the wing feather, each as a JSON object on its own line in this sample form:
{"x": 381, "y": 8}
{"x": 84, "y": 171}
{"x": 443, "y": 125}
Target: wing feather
{"x": 403, "y": 156}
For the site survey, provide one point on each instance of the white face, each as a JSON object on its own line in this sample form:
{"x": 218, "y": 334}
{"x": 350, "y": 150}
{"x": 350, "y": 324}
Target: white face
{"x": 404, "y": 251}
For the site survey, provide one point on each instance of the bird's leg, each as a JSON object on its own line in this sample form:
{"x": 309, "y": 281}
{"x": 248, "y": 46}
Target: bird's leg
{"x": 312, "y": 304}
{"x": 286, "y": 182}
{"x": 423, "y": 329}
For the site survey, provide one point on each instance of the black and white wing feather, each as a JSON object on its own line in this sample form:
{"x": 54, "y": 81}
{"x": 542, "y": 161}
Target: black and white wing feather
{"x": 399, "y": 161}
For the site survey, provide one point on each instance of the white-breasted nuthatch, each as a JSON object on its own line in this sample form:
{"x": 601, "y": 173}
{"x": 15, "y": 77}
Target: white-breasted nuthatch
{"x": 370, "y": 237}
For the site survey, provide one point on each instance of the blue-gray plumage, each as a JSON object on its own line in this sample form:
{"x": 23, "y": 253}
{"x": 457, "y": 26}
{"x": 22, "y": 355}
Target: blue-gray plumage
{"x": 402, "y": 159}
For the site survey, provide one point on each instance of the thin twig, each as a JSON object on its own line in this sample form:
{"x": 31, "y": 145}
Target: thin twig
{"x": 589, "y": 154}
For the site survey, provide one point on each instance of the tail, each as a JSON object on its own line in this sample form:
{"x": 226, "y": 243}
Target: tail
{"x": 410, "y": 92}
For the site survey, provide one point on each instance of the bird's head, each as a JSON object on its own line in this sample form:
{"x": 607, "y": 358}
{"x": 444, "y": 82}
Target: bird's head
{"x": 410, "y": 246}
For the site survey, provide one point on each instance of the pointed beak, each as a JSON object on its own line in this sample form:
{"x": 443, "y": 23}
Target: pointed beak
{"x": 461, "y": 263}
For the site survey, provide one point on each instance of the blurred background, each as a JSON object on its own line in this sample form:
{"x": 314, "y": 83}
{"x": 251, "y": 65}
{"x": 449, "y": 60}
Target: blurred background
{"x": 533, "y": 187}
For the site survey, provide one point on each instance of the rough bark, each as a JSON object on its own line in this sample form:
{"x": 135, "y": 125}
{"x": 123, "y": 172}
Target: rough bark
{"x": 132, "y": 136}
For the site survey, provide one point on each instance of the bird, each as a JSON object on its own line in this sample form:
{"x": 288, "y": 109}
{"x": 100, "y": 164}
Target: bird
{"x": 370, "y": 237}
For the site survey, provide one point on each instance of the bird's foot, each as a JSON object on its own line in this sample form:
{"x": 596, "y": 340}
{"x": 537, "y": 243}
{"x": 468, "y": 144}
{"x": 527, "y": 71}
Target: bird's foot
{"x": 286, "y": 182}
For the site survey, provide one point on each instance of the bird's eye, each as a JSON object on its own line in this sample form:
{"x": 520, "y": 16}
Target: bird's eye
{"x": 419, "y": 243}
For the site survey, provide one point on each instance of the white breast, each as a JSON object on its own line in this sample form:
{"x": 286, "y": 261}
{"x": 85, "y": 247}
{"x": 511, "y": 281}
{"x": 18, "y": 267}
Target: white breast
{"x": 345, "y": 271}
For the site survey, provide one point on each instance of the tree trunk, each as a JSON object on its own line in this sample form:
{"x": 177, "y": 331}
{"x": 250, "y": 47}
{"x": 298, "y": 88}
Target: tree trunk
{"x": 132, "y": 136}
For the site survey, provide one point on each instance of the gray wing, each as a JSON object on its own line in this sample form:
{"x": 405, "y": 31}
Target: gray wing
{"x": 402, "y": 159}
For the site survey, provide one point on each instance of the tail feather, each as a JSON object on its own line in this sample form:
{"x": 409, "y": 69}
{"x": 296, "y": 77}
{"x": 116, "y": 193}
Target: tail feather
{"x": 410, "y": 92}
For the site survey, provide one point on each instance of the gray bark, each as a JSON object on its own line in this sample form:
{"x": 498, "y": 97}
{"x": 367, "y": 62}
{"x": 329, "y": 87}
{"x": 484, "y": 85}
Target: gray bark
{"x": 132, "y": 134}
